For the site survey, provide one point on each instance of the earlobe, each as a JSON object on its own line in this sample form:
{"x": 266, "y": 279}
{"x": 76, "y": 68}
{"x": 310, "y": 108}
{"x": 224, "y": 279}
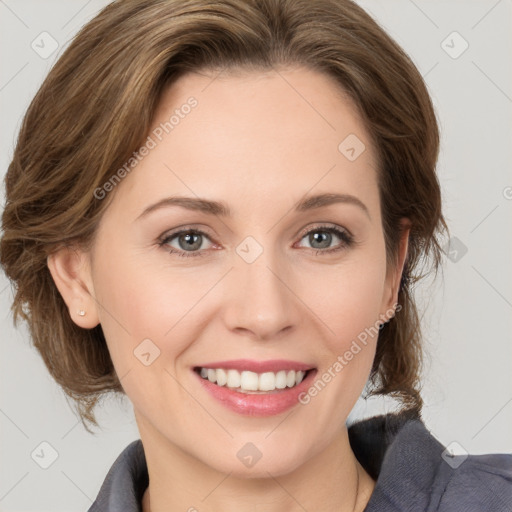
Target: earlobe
{"x": 70, "y": 271}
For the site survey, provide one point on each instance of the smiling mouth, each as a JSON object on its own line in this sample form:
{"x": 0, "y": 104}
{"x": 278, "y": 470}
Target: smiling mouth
{"x": 251, "y": 382}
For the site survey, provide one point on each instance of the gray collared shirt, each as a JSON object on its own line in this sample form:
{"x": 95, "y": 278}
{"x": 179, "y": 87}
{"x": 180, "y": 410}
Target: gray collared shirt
{"x": 413, "y": 472}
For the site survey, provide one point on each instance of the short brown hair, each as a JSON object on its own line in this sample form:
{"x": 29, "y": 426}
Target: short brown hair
{"x": 96, "y": 107}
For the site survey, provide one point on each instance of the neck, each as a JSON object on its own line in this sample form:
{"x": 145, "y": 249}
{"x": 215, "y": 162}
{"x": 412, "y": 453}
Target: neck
{"x": 331, "y": 481}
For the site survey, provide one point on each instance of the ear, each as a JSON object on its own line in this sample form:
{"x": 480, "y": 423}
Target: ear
{"x": 394, "y": 274}
{"x": 71, "y": 271}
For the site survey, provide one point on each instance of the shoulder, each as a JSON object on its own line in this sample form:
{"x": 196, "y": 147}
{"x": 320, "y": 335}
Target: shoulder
{"x": 476, "y": 482}
{"x": 414, "y": 471}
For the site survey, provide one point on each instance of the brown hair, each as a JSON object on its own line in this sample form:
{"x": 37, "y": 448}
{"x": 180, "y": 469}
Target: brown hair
{"x": 96, "y": 106}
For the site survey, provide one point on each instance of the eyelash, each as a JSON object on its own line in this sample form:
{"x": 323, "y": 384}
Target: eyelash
{"x": 347, "y": 240}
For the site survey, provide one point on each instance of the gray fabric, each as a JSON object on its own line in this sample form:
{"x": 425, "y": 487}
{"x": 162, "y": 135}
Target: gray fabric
{"x": 397, "y": 450}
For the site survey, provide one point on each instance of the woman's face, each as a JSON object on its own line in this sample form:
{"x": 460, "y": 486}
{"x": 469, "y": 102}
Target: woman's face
{"x": 266, "y": 288}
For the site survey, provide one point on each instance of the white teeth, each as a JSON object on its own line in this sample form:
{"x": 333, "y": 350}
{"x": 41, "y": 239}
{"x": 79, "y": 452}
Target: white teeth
{"x": 233, "y": 379}
{"x": 281, "y": 379}
{"x": 222, "y": 377}
{"x": 247, "y": 381}
{"x": 267, "y": 381}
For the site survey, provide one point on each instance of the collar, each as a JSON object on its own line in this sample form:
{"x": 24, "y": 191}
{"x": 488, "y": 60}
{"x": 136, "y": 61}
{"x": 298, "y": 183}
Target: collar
{"x": 395, "y": 449}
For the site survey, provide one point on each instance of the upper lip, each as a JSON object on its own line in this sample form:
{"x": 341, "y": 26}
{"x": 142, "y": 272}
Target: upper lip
{"x": 273, "y": 365}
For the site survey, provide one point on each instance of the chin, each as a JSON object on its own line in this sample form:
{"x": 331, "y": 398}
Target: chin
{"x": 249, "y": 463}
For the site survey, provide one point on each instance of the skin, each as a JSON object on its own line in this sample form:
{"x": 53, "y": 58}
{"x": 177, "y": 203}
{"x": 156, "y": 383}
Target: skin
{"x": 259, "y": 142}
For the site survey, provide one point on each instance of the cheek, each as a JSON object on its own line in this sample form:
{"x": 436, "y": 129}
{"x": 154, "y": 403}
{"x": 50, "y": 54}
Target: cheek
{"x": 350, "y": 312}
{"x": 358, "y": 300}
{"x": 144, "y": 318}
{"x": 142, "y": 298}
{"x": 353, "y": 297}
{"x": 354, "y": 321}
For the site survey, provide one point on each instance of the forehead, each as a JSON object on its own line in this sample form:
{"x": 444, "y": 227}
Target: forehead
{"x": 281, "y": 132}
{"x": 295, "y": 95}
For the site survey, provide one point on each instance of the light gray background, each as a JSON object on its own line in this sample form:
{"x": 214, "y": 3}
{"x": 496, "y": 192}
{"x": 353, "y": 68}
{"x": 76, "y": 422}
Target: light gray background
{"x": 467, "y": 322}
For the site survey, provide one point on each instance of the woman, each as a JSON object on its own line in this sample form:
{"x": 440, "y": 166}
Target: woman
{"x": 287, "y": 150}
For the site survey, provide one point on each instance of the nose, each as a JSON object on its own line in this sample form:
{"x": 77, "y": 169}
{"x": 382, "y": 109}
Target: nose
{"x": 261, "y": 302}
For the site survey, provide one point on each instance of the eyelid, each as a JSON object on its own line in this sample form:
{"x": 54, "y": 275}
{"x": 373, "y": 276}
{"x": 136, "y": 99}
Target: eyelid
{"x": 301, "y": 234}
{"x": 183, "y": 229}
{"x": 324, "y": 225}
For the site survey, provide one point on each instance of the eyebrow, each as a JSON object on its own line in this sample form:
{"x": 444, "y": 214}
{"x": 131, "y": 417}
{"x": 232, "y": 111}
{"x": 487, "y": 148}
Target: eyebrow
{"x": 222, "y": 209}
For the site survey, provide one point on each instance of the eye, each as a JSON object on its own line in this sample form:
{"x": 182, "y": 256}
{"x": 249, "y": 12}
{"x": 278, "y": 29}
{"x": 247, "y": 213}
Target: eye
{"x": 320, "y": 238}
{"x": 189, "y": 242}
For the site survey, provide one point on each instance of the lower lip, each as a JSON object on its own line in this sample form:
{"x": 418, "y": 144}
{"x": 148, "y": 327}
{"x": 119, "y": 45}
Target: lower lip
{"x": 257, "y": 404}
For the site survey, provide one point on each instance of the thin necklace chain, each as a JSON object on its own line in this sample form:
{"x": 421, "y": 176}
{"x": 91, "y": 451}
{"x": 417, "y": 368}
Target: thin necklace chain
{"x": 357, "y": 490}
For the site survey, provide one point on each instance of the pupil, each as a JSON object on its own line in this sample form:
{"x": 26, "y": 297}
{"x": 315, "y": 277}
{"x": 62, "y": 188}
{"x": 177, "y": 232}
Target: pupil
{"x": 189, "y": 238}
{"x": 324, "y": 235}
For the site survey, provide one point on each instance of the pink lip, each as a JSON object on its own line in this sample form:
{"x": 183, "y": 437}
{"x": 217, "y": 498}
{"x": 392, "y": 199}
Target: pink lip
{"x": 267, "y": 404}
{"x": 274, "y": 365}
